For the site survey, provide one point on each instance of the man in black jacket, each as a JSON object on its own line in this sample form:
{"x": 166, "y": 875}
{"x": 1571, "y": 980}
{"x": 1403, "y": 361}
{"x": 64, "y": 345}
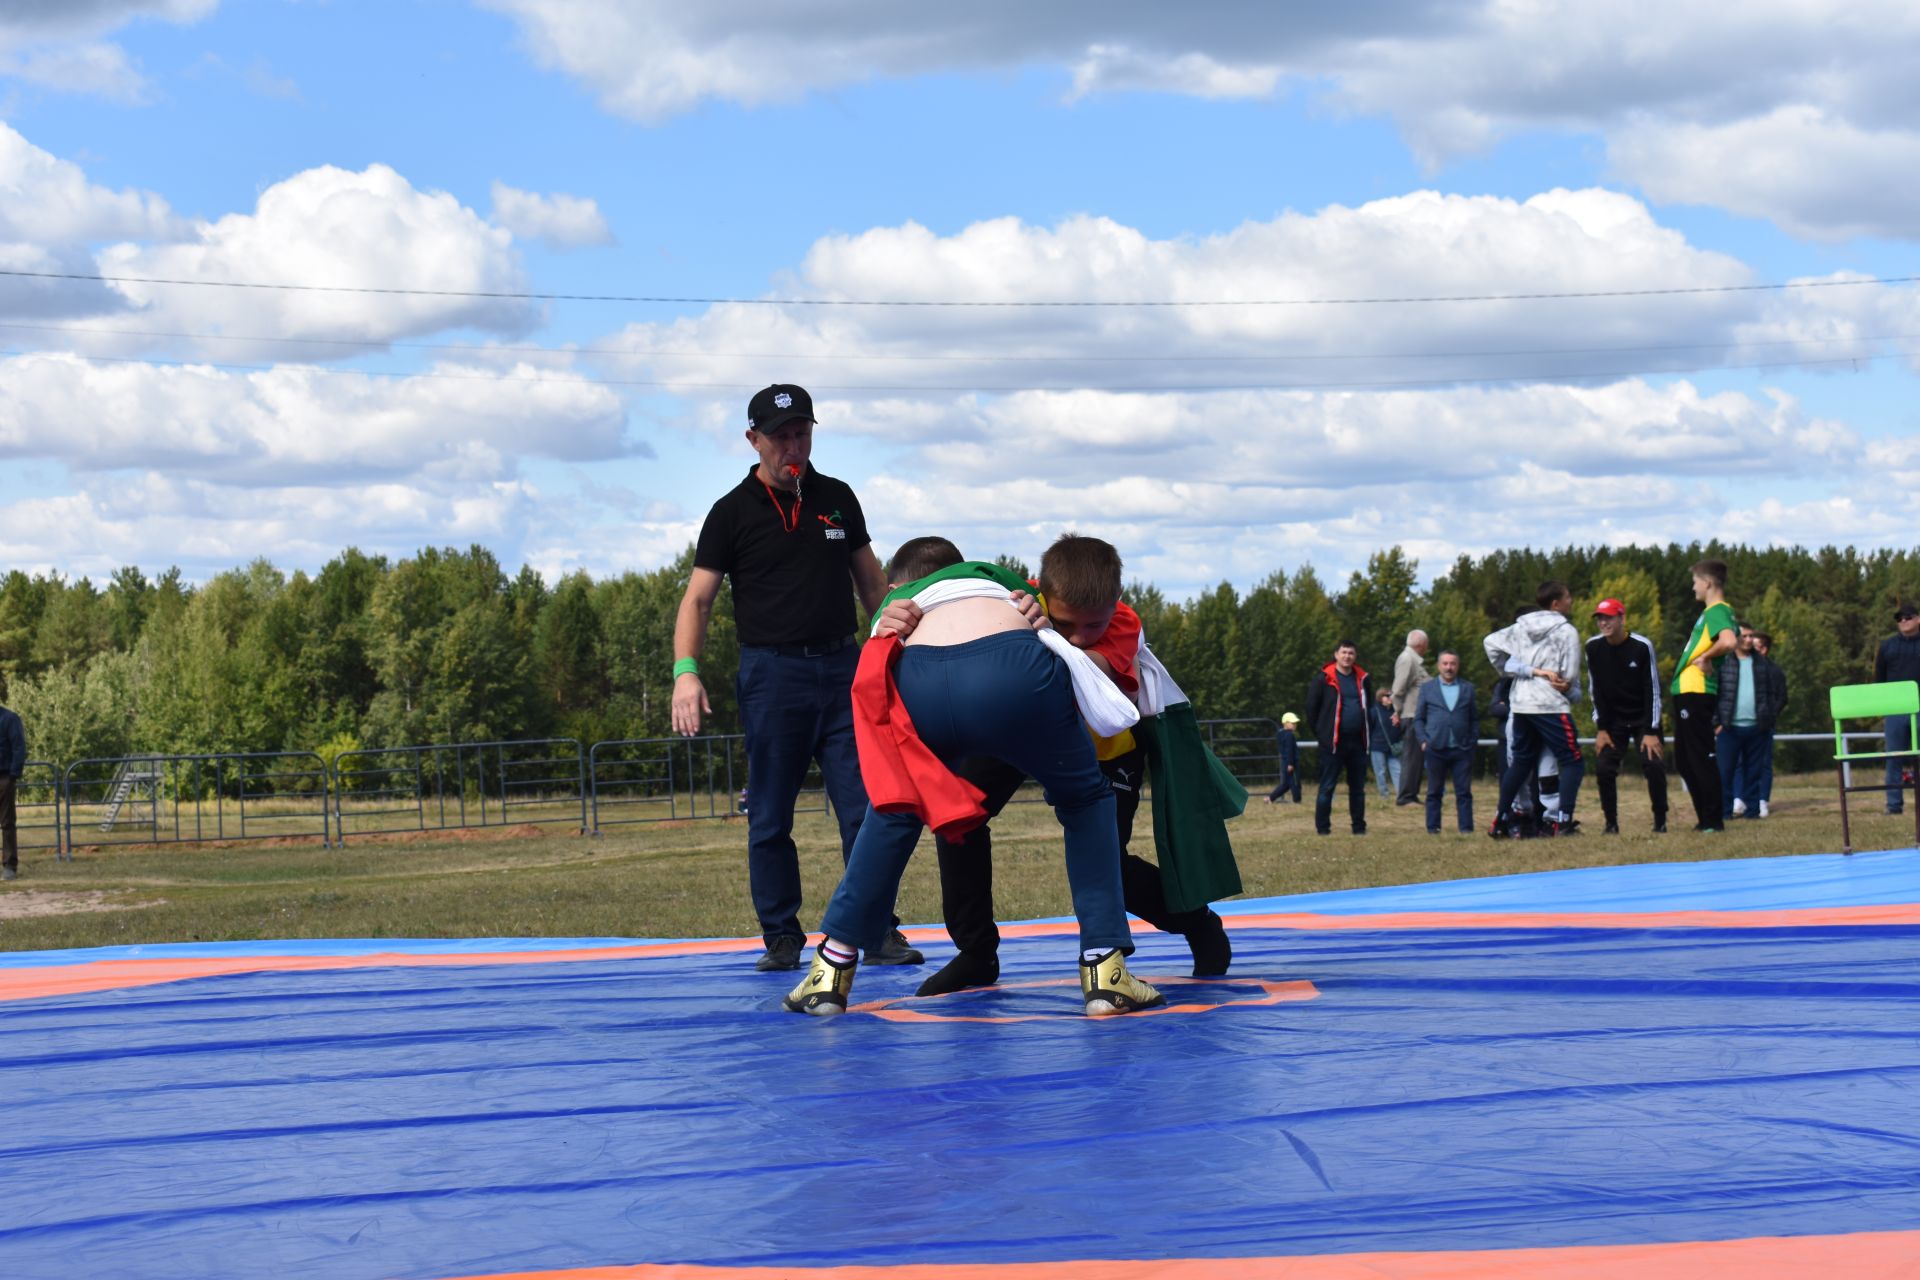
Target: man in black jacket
{"x": 1753, "y": 692}
{"x": 1625, "y": 676}
{"x": 1899, "y": 659}
{"x": 13, "y": 762}
{"x": 1337, "y": 700}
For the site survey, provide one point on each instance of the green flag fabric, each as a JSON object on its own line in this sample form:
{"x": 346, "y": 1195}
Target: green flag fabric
{"x": 1193, "y": 796}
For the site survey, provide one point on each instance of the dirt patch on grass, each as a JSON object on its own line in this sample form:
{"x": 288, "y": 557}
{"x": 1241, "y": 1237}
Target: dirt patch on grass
{"x": 27, "y": 904}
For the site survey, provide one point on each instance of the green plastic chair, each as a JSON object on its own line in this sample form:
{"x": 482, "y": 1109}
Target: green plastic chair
{"x": 1871, "y": 702}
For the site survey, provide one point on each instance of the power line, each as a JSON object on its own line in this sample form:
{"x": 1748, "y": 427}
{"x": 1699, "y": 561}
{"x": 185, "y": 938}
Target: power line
{"x": 502, "y": 295}
{"x": 904, "y": 388}
{"x": 478, "y": 348}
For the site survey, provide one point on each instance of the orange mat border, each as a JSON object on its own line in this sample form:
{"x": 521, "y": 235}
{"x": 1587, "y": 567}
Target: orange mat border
{"x": 1874, "y": 1255}
{"x": 38, "y": 982}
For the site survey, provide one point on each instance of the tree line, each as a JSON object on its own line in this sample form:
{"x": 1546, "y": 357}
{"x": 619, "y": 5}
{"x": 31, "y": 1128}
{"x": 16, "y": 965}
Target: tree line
{"x": 446, "y": 646}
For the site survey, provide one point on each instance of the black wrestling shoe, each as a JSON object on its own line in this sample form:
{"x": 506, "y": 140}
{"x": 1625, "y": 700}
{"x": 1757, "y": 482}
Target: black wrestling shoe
{"x": 894, "y": 951}
{"x": 966, "y": 969}
{"x": 1212, "y": 953}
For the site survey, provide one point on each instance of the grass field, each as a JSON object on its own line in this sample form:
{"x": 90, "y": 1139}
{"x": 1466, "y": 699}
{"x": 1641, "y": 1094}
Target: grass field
{"x": 689, "y": 879}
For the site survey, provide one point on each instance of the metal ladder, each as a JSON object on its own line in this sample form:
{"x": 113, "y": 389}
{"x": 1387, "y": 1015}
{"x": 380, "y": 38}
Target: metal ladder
{"x": 130, "y": 775}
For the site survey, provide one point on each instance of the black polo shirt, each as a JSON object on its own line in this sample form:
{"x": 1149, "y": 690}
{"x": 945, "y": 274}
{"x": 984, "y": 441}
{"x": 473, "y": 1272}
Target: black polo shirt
{"x": 790, "y": 585}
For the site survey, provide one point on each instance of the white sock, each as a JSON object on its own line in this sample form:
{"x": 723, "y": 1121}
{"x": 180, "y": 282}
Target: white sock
{"x": 1094, "y": 955}
{"x": 839, "y": 953}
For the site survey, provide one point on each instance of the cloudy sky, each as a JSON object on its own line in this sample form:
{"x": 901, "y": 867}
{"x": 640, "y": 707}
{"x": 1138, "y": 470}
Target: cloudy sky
{"x": 1238, "y": 286}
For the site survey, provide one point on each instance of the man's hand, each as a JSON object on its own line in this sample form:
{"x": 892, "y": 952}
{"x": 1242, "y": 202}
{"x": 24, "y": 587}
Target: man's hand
{"x": 1650, "y": 746}
{"x": 689, "y": 704}
{"x": 1030, "y": 609}
{"x": 1602, "y": 741}
{"x": 1559, "y": 682}
{"x": 899, "y": 619}
{"x": 1704, "y": 663}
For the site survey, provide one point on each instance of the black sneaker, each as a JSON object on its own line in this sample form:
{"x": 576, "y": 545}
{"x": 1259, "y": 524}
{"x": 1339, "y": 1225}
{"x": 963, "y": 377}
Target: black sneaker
{"x": 1611, "y": 829}
{"x": 966, "y": 969}
{"x": 1659, "y": 826}
{"x": 1502, "y": 828}
{"x": 782, "y": 953}
{"x": 1564, "y": 827}
{"x": 894, "y": 951}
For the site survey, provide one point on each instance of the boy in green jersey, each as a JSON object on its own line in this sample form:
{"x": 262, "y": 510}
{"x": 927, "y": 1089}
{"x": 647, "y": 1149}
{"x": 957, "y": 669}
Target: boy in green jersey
{"x": 1696, "y": 689}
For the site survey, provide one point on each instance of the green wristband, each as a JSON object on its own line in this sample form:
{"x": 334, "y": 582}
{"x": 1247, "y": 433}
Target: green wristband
{"x": 686, "y": 667}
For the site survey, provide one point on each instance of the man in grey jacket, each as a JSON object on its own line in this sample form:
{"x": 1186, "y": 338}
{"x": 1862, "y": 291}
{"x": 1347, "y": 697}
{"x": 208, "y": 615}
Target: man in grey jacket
{"x": 1541, "y": 651}
{"x": 1409, "y": 673}
{"x": 1446, "y": 723}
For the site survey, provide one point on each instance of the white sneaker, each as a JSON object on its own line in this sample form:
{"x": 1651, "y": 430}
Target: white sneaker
{"x": 1739, "y": 808}
{"x": 1763, "y": 808}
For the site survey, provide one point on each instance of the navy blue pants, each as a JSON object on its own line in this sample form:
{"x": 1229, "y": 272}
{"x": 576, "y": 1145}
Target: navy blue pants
{"x": 1454, "y": 763}
{"x": 1534, "y": 732}
{"x": 1003, "y": 696}
{"x": 794, "y": 711}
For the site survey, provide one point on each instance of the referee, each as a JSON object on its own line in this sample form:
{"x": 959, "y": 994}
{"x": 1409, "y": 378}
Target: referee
{"x": 795, "y": 545}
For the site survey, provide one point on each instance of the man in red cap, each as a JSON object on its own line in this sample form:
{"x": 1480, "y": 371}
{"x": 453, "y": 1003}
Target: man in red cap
{"x": 1625, "y": 677}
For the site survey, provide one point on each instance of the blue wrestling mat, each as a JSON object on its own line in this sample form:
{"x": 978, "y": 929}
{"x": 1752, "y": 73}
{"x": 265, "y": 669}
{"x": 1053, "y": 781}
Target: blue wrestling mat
{"x": 1662, "y": 1069}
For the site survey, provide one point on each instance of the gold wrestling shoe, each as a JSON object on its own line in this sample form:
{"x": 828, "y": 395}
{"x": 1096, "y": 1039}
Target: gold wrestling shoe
{"x": 1110, "y": 989}
{"x": 823, "y": 992}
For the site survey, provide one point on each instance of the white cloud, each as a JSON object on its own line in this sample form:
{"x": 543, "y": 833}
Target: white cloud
{"x": 48, "y": 43}
{"x": 360, "y": 233}
{"x": 47, "y": 201}
{"x": 563, "y": 221}
{"x": 1662, "y": 80}
{"x": 298, "y": 426}
{"x": 1815, "y": 173}
{"x": 888, "y": 363}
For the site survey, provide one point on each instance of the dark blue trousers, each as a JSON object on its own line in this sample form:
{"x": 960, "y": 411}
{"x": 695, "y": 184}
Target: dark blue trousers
{"x": 1007, "y": 697}
{"x": 1455, "y": 763}
{"x": 1532, "y": 733}
{"x": 794, "y": 711}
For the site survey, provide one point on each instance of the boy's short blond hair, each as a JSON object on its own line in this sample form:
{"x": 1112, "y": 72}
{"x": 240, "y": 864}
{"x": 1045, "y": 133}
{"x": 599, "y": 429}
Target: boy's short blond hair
{"x": 1081, "y": 572}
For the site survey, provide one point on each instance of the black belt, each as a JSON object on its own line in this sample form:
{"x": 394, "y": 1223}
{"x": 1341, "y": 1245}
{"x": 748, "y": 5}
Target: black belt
{"x": 818, "y": 649}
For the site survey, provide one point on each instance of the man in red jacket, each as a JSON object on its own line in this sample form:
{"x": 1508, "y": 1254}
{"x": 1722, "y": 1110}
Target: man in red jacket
{"x": 1337, "y": 700}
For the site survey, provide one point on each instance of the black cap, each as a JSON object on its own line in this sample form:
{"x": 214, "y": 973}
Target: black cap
{"x": 1906, "y": 610}
{"x": 778, "y": 404}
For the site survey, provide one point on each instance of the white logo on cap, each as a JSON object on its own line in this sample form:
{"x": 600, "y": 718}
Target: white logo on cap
{"x": 783, "y": 401}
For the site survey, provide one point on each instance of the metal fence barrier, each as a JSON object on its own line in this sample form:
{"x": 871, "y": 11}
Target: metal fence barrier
{"x": 162, "y": 799}
{"x": 394, "y": 790}
{"x": 155, "y": 799}
{"x": 36, "y": 806}
{"x": 662, "y": 779}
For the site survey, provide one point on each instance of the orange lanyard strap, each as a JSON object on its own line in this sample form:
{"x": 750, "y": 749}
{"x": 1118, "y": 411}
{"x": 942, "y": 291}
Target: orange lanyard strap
{"x": 789, "y": 523}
